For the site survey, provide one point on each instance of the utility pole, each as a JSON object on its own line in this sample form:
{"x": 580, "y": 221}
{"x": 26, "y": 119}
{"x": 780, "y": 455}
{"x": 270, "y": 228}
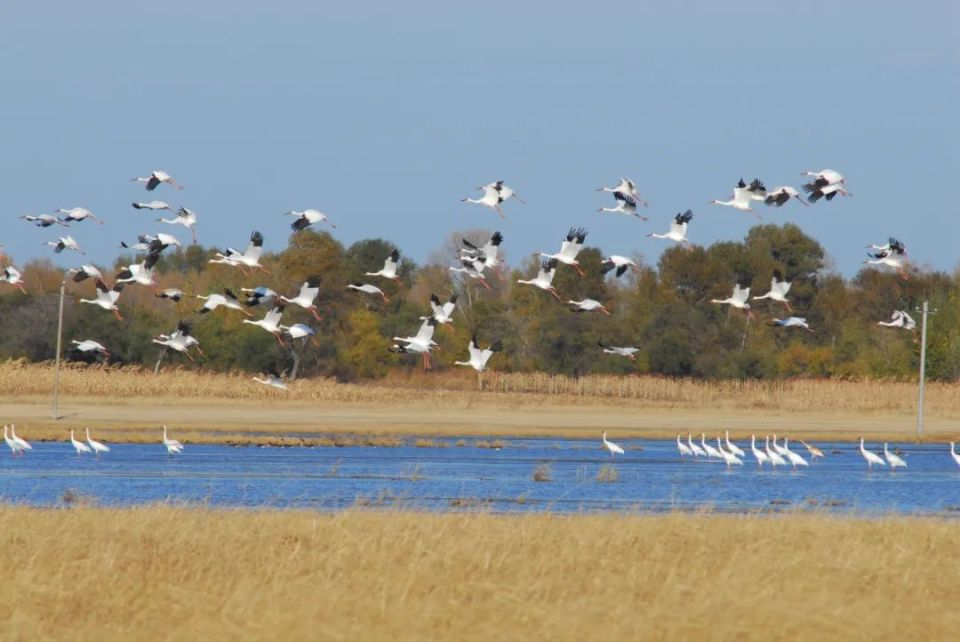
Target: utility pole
{"x": 925, "y": 311}
{"x": 56, "y": 375}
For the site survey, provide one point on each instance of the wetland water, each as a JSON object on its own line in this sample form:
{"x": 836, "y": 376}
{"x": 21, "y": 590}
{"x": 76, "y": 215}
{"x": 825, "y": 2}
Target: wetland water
{"x": 652, "y": 477}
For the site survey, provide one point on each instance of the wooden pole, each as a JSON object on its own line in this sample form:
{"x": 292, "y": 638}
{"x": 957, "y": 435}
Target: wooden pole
{"x": 56, "y": 376}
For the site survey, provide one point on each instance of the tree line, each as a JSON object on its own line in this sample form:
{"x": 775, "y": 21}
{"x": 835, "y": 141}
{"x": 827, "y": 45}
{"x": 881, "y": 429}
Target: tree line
{"x": 663, "y": 309}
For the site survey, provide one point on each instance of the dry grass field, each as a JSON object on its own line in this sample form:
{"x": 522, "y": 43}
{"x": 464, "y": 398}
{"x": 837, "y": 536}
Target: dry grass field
{"x": 130, "y": 404}
{"x": 163, "y": 572}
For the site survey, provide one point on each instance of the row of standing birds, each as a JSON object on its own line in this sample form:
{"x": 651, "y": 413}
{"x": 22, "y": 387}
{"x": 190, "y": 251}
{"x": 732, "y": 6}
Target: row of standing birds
{"x": 474, "y": 261}
{"x": 772, "y": 453}
{"x": 19, "y": 446}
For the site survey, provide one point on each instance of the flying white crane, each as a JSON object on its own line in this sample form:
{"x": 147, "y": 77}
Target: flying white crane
{"x": 587, "y": 305}
{"x": 184, "y": 217}
{"x": 544, "y": 278}
{"x": 156, "y": 177}
{"x": 778, "y": 196}
{"x": 900, "y": 319}
{"x": 443, "y": 312}
{"x": 152, "y": 243}
{"x": 301, "y": 331}
{"x": 43, "y": 220}
{"x": 228, "y": 300}
{"x": 390, "y": 267}
{"x": 737, "y": 300}
{"x": 79, "y": 446}
{"x": 89, "y": 346}
{"x": 306, "y": 218}
{"x": 626, "y": 204}
{"x": 173, "y": 294}
{"x": 614, "y": 449}
{"x": 683, "y": 448}
{"x": 271, "y": 322}
{"x": 65, "y": 243}
{"x": 84, "y": 272}
{"x": 96, "y": 445}
{"x": 249, "y": 258}
{"x": 732, "y": 447}
{"x": 180, "y": 340}
{"x": 793, "y": 457}
{"x": 569, "y": 249}
{"x": 872, "y": 458}
{"x": 697, "y": 450}
{"x": 305, "y": 298}
{"x": 758, "y": 454}
{"x": 620, "y": 263}
{"x": 625, "y": 186}
{"x": 895, "y": 256}
{"x": 366, "y": 288}
{"x": 778, "y": 291}
{"x": 141, "y": 273}
{"x": 478, "y": 358}
{"x": 77, "y": 214}
{"x": 624, "y": 351}
{"x": 473, "y": 268}
{"x": 173, "y": 446}
{"x": 728, "y": 457}
{"x": 894, "y": 460}
{"x": 792, "y": 322}
{"x": 493, "y": 195}
{"x": 421, "y": 343}
{"x": 488, "y": 254}
{"x": 107, "y": 298}
{"x": 744, "y": 195}
{"x": 273, "y": 381}
{"x": 259, "y": 295}
{"x": 152, "y": 205}
{"x": 12, "y": 276}
{"x": 678, "y": 229}
{"x": 827, "y": 183}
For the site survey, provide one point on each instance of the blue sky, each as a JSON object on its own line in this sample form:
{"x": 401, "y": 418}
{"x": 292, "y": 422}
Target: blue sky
{"x": 385, "y": 115}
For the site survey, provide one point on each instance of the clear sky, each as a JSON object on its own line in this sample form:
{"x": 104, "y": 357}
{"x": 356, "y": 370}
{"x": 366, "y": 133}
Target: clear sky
{"x": 384, "y": 115}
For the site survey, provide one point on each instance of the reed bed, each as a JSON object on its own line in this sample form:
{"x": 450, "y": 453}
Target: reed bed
{"x": 18, "y": 378}
{"x": 164, "y": 572}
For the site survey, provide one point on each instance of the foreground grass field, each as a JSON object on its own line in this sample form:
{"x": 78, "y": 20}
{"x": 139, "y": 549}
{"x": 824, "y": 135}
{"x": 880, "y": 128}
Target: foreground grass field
{"x": 130, "y": 405}
{"x": 178, "y": 573}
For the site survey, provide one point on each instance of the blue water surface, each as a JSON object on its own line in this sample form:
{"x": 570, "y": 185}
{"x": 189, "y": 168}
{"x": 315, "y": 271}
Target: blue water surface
{"x": 652, "y": 477}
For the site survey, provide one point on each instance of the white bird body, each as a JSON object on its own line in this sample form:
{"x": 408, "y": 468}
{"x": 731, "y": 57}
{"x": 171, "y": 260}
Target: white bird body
{"x": 895, "y": 460}
{"x": 489, "y": 254}
{"x": 775, "y": 458}
{"x": 827, "y": 184}
{"x": 793, "y": 457}
{"x": 729, "y": 458}
{"x": 390, "y": 266}
{"x": 732, "y": 447}
{"x": 181, "y": 340}
{"x": 443, "y": 312}
{"x": 271, "y": 322}
{"x": 625, "y": 186}
{"x": 678, "y": 229}
{"x": 473, "y": 268}
{"x": 89, "y": 345}
{"x": 707, "y": 448}
{"x": 588, "y": 305}
{"x": 12, "y": 444}
{"x": 174, "y": 294}
{"x": 273, "y": 381}
{"x": 683, "y": 448}
{"x": 228, "y": 300}
{"x": 758, "y": 454}
{"x": 249, "y": 258}
{"x": 305, "y": 298}
{"x": 141, "y": 273}
{"x": 107, "y": 298}
{"x": 610, "y": 446}
{"x": 84, "y": 272}
{"x": 781, "y": 194}
{"x": 77, "y": 214}
{"x": 493, "y": 195}
{"x": 421, "y": 343}
{"x": 697, "y": 450}
{"x": 893, "y": 254}
{"x": 569, "y": 249}
{"x": 157, "y": 177}
{"x": 367, "y": 288}
{"x": 872, "y": 458}
{"x": 544, "y": 278}
{"x": 744, "y": 195}
{"x": 626, "y": 204}
{"x": 173, "y": 446}
{"x": 792, "y": 322}
{"x": 64, "y": 243}
{"x": 308, "y": 217}
{"x": 22, "y": 443}
{"x": 152, "y": 205}
{"x": 619, "y": 263}
{"x": 478, "y": 358}
{"x": 96, "y": 446}
{"x": 778, "y": 291}
{"x": 79, "y": 446}
{"x": 44, "y": 220}
{"x": 12, "y": 276}
{"x": 300, "y": 331}
{"x": 624, "y": 351}
{"x": 900, "y": 319}
{"x": 184, "y": 217}
{"x": 737, "y": 300}
{"x": 954, "y": 454}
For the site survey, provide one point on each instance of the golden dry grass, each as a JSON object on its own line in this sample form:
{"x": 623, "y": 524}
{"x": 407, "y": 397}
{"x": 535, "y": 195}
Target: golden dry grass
{"x": 178, "y": 573}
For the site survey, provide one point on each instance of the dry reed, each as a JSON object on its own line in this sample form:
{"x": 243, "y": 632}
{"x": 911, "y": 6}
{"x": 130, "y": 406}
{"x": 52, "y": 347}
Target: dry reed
{"x": 180, "y": 573}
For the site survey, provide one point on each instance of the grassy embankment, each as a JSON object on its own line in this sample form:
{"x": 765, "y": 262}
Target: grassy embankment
{"x": 130, "y": 405}
{"x": 182, "y": 573}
